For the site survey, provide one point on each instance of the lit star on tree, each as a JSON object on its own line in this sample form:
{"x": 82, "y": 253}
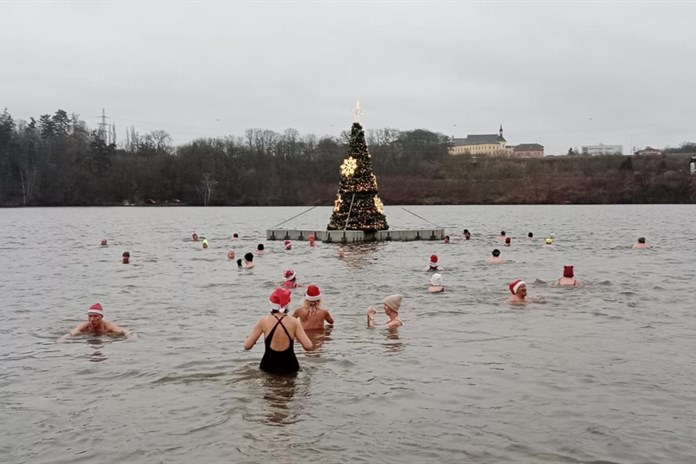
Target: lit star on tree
{"x": 349, "y": 166}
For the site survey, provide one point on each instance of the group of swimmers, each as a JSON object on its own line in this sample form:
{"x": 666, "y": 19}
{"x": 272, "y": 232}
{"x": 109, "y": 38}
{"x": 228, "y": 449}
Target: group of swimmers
{"x": 279, "y": 356}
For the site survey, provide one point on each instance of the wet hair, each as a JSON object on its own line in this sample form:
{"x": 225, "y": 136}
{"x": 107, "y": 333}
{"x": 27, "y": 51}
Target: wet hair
{"x": 260, "y": 247}
{"x": 502, "y": 233}
{"x": 466, "y": 231}
{"x": 496, "y": 252}
{"x": 447, "y": 237}
{"x": 641, "y": 239}
{"x": 235, "y": 235}
{"x": 530, "y": 235}
{"x": 249, "y": 256}
{"x": 126, "y": 254}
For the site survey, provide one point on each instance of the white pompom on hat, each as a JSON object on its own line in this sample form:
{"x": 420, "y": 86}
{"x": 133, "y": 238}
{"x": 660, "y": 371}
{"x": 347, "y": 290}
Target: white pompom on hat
{"x": 313, "y": 293}
{"x": 394, "y": 302}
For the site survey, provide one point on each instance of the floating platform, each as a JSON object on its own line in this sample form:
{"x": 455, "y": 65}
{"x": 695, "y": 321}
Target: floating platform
{"x": 356, "y": 236}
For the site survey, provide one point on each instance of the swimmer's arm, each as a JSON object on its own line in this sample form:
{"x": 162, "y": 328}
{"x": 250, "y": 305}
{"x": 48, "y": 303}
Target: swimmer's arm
{"x": 302, "y": 337}
{"x": 77, "y": 330}
{"x": 114, "y": 329}
{"x": 253, "y": 337}
{"x": 328, "y": 318}
{"x": 371, "y": 311}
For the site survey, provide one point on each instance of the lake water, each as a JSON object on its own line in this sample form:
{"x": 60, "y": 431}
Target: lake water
{"x": 605, "y": 373}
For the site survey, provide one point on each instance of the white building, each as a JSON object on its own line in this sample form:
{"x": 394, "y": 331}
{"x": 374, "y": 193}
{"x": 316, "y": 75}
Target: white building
{"x": 601, "y": 149}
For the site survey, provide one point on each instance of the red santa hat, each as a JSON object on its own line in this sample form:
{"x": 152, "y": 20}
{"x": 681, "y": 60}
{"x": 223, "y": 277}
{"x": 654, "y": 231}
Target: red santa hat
{"x": 280, "y": 299}
{"x": 288, "y": 275}
{"x": 97, "y": 309}
{"x": 433, "y": 260}
{"x": 515, "y": 285}
{"x": 313, "y": 293}
{"x": 287, "y": 244}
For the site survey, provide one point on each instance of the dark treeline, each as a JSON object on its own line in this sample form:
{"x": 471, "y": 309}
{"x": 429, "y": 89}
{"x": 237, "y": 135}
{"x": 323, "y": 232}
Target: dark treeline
{"x": 57, "y": 160}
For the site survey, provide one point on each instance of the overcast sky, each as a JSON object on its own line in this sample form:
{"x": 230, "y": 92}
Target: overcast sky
{"x": 563, "y": 74}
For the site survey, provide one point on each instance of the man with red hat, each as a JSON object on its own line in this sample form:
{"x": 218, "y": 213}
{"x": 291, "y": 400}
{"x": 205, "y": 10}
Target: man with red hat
{"x": 518, "y": 288}
{"x": 312, "y": 314}
{"x": 96, "y": 324}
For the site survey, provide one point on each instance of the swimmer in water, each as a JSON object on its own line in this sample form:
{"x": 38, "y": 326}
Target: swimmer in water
{"x": 248, "y": 262}
{"x": 548, "y": 241}
{"x": 518, "y": 288}
{"x": 568, "y": 279}
{"x": 436, "y": 284}
{"x": 290, "y": 279}
{"x": 125, "y": 257}
{"x": 235, "y": 236}
{"x": 231, "y": 255}
{"x": 260, "y": 249}
{"x": 392, "y": 305}
{"x": 467, "y": 234}
{"x": 312, "y": 239}
{"x": 194, "y": 237}
{"x": 96, "y": 325}
{"x": 446, "y": 239}
{"x": 530, "y": 235}
{"x": 495, "y": 259}
{"x": 279, "y": 355}
{"x": 205, "y": 243}
{"x": 432, "y": 265}
{"x": 340, "y": 252}
{"x": 640, "y": 244}
{"x": 312, "y": 314}
{"x": 104, "y": 243}
{"x": 508, "y": 240}
{"x": 287, "y": 245}
{"x": 502, "y": 236}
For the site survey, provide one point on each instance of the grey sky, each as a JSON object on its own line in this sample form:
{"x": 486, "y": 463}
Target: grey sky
{"x": 560, "y": 74}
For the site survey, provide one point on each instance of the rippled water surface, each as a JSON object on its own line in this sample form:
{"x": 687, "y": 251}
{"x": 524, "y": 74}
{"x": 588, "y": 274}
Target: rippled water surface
{"x": 602, "y": 373}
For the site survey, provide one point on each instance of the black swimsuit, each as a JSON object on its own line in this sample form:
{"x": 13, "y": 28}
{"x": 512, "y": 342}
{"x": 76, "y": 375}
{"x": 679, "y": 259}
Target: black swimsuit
{"x": 279, "y": 362}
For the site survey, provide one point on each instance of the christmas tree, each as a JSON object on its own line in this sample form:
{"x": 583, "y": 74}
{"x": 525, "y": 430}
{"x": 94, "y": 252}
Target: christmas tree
{"x": 357, "y": 205}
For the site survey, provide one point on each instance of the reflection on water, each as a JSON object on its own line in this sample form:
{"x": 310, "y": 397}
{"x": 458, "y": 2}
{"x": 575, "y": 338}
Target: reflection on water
{"x": 359, "y": 255}
{"x": 393, "y": 346}
{"x": 279, "y": 392}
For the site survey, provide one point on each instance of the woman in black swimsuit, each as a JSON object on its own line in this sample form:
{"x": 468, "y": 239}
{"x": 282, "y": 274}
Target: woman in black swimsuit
{"x": 279, "y": 334}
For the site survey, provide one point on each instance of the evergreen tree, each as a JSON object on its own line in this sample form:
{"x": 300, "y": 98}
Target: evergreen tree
{"x": 357, "y": 205}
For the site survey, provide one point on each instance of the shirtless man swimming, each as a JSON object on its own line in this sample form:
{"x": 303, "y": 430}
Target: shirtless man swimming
{"x": 640, "y": 244}
{"x": 518, "y": 288}
{"x": 495, "y": 259}
{"x": 311, "y": 314}
{"x": 96, "y": 325}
